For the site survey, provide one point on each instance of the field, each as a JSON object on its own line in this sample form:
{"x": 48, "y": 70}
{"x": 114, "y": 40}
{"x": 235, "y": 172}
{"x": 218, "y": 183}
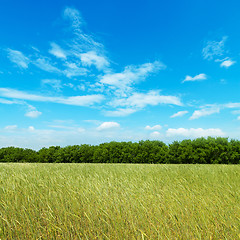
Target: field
{"x": 119, "y": 201}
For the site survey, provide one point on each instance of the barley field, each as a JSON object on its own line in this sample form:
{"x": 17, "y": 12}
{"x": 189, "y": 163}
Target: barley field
{"x": 119, "y": 201}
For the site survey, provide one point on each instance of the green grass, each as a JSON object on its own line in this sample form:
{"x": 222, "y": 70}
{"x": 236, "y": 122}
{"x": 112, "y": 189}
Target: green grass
{"x": 101, "y": 201}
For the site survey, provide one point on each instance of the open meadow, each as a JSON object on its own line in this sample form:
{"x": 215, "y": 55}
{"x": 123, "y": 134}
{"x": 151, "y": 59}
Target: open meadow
{"x": 119, "y": 201}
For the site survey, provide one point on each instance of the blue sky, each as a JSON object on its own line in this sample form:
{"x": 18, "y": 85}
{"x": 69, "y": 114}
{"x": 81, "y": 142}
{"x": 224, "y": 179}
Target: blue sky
{"x": 75, "y": 72}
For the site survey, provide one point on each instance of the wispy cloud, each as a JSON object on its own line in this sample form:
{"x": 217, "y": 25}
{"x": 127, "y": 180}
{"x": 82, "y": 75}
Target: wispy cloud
{"x": 179, "y": 114}
{"x": 236, "y": 112}
{"x": 78, "y": 87}
{"x": 108, "y": 126}
{"x": 131, "y": 75}
{"x": 138, "y": 101}
{"x": 156, "y": 127}
{"x": 227, "y": 63}
{"x": 205, "y": 111}
{"x": 76, "y": 129}
{"x": 231, "y": 105}
{"x": 92, "y": 58}
{"x": 43, "y": 63}
{"x": 74, "y": 16}
{"x": 194, "y": 132}
{"x": 210, "y": 109}
{"x": 57, "y": 51}
{"x": 31, "y": 128}
{"x": 86, "y": 100}
{"x": 46, "y": 65}
{"x": 54, "y": 83}
{"x": 155, "y": 135}
{"x": 6, "y": 101}
{"x": 73, "y": 70}
{"x": 11, "y": 127}
{"x": 214, "y": 49}
{"x": 120, "y": 112}
{"x": 83, "y": 41}
{"x": 83, "y": 50}
{"x": 18, "y": 58}
{"x": 199, "y": 77}
{"x": 33, "y": 114}
{"x": 141, "y": 100}
{"x": 31, "y": 110}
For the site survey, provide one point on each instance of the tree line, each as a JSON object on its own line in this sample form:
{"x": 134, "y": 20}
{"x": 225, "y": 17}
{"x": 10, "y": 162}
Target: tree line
{"x": 201, "y": 150}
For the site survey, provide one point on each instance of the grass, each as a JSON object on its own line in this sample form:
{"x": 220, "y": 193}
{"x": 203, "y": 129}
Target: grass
{"x": 119, "y": 201}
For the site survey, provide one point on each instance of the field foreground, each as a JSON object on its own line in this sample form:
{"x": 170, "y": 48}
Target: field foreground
{"x": 119, "y": 201}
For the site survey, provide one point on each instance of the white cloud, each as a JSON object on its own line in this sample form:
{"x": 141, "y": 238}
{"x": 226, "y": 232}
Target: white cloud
{"x": 74, "y": 16}
{"x": 82, "y": 42}
{"x": 108, "y": 126}
{"x": 11, "y": 127}
{"x": 31, "y": 128}
{"x": 236, "y": 112}
{"x": 205, "y": 112}
{"x": 81, "y": 87}
{"x": 33, "y": 114}
{"x": 57, "y": 51}
{"x": 80, "y": 130}
{"x": 210, "y": 109}
{"x": 75, "y": 100}
{"x": 130, "y": 75}
{"x": 120, "y": 112}
{"x": 238, "y": 118}
{"x": 227, "y": 63}
{"x": 6, "y": 101}
{"x": 80, "y": 100}
{"x": 32, "y": 111}
{"x": 76, "y": 129}
{"x": 73, "y": 70}
{"x": 214, "y": 48}
{"x": 231, "y": 105}
{"x": 45, "y": 65}
{"x": 35, "y": 49}
{"x": 18, "y": 58}
{"x": 84, "y": 51}
{"x": 198, "y": 77}
{"x": 155, "y": 134}
{"x": 92, "y": 58}
{"x": 137, "y": 101}
{"x": 179, "y": 114}
{"x": 61, "y": 127}
{"x": 141, "y": 100}
{"x": 156, "y": 127}
{"x": 54, "y": 83}
{"x": 194, "y": 132}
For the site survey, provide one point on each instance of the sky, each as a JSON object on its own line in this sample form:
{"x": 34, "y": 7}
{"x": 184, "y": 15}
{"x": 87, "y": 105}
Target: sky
{"x": 88, "y": 72}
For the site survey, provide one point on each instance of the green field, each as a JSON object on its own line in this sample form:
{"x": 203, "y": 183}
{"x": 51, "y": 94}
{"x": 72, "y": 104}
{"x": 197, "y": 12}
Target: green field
{"x": 119, "y": 201}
